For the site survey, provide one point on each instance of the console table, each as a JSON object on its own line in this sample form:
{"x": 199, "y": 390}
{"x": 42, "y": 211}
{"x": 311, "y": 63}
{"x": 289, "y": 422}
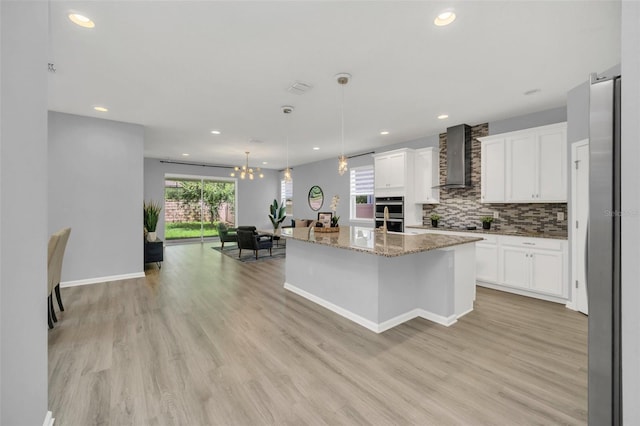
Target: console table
{"x": 154, "y": 252}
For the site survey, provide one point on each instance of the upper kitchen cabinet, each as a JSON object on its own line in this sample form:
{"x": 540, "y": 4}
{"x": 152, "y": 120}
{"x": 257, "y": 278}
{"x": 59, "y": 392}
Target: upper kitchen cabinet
{"x": 392, "y": 172}
{"x": 492, "y": 170}
{"x": 532, "y": 164}
{"x": 427, "y": 175}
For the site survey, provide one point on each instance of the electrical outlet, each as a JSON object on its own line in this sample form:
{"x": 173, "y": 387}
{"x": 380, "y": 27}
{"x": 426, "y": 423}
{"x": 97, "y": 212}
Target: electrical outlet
{"x": 496, "y": 215}
{"x": 560, "y": 216}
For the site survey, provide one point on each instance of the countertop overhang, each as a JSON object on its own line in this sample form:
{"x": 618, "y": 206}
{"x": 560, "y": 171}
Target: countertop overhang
{"x": 367, "y": 240}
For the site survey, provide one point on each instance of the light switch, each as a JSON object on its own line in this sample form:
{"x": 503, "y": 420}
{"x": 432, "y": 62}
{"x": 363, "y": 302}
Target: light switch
{"x": 496, "y": 215}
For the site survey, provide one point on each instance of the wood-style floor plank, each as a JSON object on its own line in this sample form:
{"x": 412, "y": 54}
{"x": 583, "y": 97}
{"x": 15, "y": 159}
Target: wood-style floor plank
{"x": 208, "y": 340}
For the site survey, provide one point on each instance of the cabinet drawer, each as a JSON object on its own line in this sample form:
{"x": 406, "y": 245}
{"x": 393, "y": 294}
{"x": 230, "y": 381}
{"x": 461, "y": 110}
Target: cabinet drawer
{"x": 537, "y": 243}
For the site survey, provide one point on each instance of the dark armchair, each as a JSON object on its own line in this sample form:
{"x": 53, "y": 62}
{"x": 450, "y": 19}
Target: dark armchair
{"x": 227, "y": 235}
{"x": 249, "y": 239}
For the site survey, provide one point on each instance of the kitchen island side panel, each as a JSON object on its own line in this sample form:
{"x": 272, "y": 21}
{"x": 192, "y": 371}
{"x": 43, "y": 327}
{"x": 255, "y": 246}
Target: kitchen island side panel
{"x": 347, "y": 279}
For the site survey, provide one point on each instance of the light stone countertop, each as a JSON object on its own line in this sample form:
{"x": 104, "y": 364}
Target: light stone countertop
{"x": 509, "y": 232}
{"x": 367, "y": 240}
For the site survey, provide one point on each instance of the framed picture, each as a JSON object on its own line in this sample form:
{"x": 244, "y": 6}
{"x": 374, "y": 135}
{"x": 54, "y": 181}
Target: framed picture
{"x": 325, "y": 218}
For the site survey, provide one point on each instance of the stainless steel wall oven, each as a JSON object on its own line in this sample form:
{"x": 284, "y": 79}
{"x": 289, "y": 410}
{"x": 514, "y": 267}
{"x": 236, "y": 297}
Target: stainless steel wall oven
{"x": 395, "y": 205}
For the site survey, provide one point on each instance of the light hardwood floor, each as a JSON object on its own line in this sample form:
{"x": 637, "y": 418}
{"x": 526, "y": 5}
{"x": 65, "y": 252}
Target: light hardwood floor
{"x": 208, "y": 340}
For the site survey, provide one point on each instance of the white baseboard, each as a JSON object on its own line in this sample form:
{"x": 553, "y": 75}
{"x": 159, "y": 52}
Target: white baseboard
{"x": 571, "y": 305}
{"x": 334, "y": 308}
{"x": 48, "y": 419}
{"x": 371, "y": 325}
{"x": 523, "y": 292}
{"x": 99, "y": 280}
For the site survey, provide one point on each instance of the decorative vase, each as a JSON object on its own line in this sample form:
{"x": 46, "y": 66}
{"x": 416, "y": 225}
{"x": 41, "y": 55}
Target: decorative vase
{"x": 434, "y": 223}
{"x": 486, "y": 225}
{"x": 151, "y": 237}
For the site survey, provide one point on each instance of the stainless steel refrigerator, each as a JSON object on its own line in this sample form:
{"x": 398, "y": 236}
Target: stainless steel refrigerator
{"x": 603, "y": 252}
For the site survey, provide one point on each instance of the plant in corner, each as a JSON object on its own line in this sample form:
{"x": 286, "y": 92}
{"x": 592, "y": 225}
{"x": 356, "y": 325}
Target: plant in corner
{"x": 334, "y": 206}
{"x": 486, "y": 222}
{"x": 151, "y": 211}
{"x": 434, "y": 219}
{"x": 277, "y": 214}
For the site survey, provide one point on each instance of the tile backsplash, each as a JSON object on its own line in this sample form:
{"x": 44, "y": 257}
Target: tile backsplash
{"x": 462, "y": 207}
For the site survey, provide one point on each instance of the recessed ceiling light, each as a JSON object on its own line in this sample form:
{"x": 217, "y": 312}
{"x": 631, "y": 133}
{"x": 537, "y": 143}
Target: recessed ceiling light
{"x": 316, "y": 148}
{"x": 185, "y": 154}
{"x": 81, "y": 20}
{"x": 384, "y": 132}
{"x": 100, "y": 109}
{"x": 444, "y": 18}
{"x": 215, "y": 132}
{"x": 264, "y": 162}
{"x": 442, "y": 116}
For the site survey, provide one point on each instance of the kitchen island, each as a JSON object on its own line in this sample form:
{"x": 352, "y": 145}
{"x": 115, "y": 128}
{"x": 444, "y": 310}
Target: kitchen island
{"x": 381, "y": 280}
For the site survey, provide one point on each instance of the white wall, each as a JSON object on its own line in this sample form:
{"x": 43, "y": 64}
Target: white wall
{"x": 23, "y": 213}
{"x": 95, "y": 187}
{"x": 254, "y": 197}
{"x": 630, "y": 203}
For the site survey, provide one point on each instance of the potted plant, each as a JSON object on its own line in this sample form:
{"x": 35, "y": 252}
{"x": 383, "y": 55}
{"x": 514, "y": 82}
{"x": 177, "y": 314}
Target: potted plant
{"x": 334, "y": 207}
{"x": 486, "y": 222}
{"x": 277, "y": 215}
{"x": 151, "y": 211}
{"x": 434, "y": 219}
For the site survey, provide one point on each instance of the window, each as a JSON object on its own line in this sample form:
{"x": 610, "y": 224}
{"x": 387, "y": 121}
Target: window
{"x": 286, "y": 196}
{"x": 361, "y": 193}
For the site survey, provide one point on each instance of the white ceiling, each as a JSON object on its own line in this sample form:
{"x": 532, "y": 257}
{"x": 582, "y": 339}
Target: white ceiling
{"x": 183, "y": 68}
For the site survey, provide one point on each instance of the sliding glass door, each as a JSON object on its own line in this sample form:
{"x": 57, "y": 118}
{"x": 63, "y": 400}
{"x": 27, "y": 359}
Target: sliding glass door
{"x": 194, "y": 206}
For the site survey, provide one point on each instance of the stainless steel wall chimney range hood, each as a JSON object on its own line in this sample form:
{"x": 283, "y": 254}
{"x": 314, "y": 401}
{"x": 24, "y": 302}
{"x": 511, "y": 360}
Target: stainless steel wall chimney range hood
{"x": 458, "y": 157}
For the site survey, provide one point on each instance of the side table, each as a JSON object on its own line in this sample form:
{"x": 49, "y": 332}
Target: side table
{"x": 154, "y": 252}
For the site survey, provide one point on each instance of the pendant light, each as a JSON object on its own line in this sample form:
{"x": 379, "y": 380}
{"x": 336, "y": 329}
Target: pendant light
{"x": 245, "y": 171}
{"x": 342, "y": 79}
{"x": 287, "y": 109}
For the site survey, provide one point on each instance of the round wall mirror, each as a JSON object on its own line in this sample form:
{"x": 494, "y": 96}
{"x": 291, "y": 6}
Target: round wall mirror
{"x": 316, "y": 198}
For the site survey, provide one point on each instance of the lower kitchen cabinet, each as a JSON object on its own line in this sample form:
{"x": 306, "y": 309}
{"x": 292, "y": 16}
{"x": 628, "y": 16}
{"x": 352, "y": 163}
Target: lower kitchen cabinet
{"x": 487, "y": 260}
{"x": 534, "y": 267}
{"x": 534, "y": 264}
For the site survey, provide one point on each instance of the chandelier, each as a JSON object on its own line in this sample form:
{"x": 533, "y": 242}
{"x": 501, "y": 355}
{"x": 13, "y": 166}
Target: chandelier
{"x": 342, "y": 79}
{"x": 245, "y": 171}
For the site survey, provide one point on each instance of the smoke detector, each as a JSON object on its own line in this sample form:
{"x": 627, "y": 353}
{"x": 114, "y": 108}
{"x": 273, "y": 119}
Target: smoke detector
{"x": 287, "y": 109}
{"x": 343, "y": 78}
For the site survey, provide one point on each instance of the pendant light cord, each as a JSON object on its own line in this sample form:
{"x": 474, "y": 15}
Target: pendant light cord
{"x": 342, "y": 119}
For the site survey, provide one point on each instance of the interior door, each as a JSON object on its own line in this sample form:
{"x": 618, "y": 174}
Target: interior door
{"x": 580, "y": 203}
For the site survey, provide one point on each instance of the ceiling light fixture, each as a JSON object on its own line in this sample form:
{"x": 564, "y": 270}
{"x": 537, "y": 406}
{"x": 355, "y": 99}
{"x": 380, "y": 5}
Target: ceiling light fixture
{"x": 316, "y": 148}
{"x": 445, "y": 18}
{"x": 287, "y": 110}
{"x": 100, "y": 108}
{"x": 342, "y": 79}
{"x": 384, "y": 132}
{"x": 215, "y": 132}
{"x": 81, "y": 20}
{"x": 442, "y": 116}
{"x": 185, "y": 154}
{"x": 245, "y": 171}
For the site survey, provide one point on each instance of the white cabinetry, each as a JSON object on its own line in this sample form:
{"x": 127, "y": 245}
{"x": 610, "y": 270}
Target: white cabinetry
{"x": 492, "y": 171}
{"x": 531, "y": 163}
{"x": 427, "y": 175}
{"x": 534, "y": 267}
{"x": 392, "y": 171}
{"x": 487, "y": 259}
{"x": 534, "y": 264}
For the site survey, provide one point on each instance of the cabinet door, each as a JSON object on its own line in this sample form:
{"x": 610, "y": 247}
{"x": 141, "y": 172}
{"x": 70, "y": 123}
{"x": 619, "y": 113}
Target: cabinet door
{"x": 516, "y": 266}
{"x": 492, "y": 171}
{"x": 522, "y": 173}
{"x": 552, "y": 183}
{"x": 381, "y": 170}
{"x": 487, "y": 262}
{"x": 426, "y": 176}
{"x": 547, "y": 272}
{"x": 396, "y": 169}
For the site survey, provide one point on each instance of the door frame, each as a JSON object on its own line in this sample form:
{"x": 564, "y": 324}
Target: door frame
{"x": 572, "y": 302}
